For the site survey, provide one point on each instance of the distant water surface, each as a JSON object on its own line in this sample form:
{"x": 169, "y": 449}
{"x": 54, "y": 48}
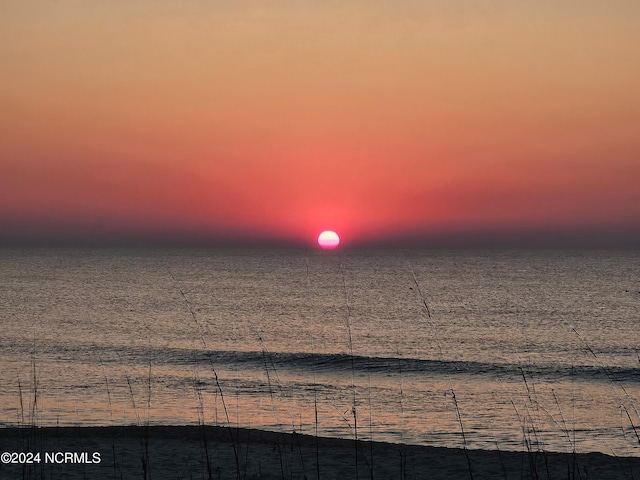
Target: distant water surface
{"x": 537, "y": 350}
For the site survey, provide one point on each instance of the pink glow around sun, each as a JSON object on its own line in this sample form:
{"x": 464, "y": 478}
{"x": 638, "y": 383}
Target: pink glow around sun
{"x": 328, "y": 239}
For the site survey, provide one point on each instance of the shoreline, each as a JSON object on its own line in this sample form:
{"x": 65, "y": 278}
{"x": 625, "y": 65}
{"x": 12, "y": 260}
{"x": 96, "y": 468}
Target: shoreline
{"x": 161, "y": 452}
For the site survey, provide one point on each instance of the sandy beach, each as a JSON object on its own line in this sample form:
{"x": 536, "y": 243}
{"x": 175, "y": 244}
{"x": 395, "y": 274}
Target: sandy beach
{"x": 173, "y": 452}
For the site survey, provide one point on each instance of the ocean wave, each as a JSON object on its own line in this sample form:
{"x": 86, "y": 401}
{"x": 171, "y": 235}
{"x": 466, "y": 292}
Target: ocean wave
{"x": 321, "y": 362}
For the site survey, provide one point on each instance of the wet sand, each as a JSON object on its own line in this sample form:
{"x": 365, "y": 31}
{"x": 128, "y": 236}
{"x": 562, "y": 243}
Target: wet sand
{"x": 185, "y": 452}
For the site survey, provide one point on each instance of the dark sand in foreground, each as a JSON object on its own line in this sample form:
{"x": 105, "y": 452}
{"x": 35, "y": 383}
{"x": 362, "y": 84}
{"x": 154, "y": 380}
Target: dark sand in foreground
{"x": 164, "y": 452}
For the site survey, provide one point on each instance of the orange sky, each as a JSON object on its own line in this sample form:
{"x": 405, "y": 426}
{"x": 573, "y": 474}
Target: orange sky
{"x": 379, "y": 119}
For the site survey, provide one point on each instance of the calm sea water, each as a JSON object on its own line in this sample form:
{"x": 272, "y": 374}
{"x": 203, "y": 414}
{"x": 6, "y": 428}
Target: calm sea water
{"x": 520, "y": 350}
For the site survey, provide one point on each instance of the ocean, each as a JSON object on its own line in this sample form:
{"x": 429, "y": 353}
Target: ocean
{"x": 509, "y": 350}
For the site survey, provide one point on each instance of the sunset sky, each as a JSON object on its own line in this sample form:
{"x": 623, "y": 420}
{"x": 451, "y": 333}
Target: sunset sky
{"x": 272, "y": 120}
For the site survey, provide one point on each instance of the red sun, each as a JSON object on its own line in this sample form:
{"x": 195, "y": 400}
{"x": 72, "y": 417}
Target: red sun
{"x": 328, "y": 239}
